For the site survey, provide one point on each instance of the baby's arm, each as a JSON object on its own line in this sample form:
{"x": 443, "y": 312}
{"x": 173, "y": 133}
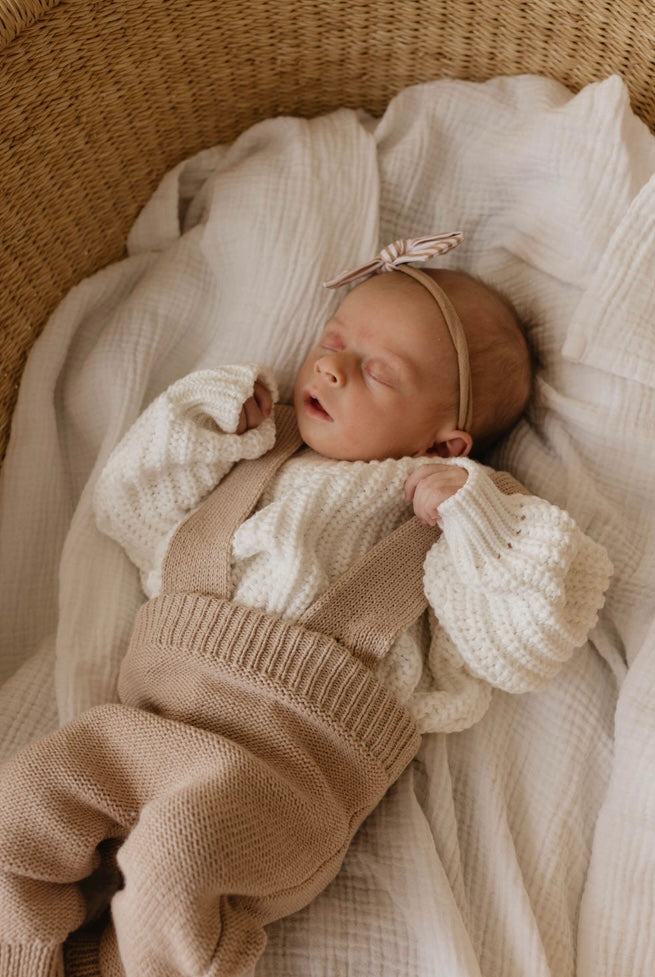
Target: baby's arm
{"x": 513, "y": 581}
{"x": 176, "y": 452}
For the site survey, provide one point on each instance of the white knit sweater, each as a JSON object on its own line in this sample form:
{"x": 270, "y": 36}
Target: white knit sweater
{"x": 515, "y": 586}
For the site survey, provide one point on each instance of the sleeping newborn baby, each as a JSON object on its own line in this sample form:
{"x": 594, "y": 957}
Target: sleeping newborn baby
{"x": 276, "y": 683}
{"x": 381, "y": 409}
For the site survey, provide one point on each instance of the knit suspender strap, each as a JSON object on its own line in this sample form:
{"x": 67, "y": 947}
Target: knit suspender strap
{"x": 198, "y": 556}
{"x": 380, "y": 596}
{"x": 364, "y": 609}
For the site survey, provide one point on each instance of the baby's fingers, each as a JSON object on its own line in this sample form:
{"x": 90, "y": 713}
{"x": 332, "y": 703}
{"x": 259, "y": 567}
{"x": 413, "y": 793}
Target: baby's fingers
{"x": 263, "y": 398}
{"x": 426, "y": 504}
{"x": 256, "y": 409}
{"x": 418, "y": 475}
{"x": 253, "y": 413}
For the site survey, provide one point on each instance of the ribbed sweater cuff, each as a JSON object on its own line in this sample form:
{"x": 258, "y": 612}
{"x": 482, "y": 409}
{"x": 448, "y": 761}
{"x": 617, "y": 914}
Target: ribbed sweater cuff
{"x": 219, "y": 393}
{"x": 31, "y": 960}
{"x": 508, "y": 542}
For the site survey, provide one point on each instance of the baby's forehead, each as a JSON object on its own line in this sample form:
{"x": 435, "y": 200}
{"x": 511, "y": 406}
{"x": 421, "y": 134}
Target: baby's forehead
{"x": 393, "y": 304}
{"x": 393, "y": 290}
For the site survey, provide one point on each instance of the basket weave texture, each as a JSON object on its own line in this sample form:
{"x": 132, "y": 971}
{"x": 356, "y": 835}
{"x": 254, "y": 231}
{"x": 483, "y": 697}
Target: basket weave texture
{"x": 98, "y": 98}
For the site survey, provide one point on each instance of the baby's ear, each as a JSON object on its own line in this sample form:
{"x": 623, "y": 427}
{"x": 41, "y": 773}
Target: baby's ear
{"x": 457, "y": 445}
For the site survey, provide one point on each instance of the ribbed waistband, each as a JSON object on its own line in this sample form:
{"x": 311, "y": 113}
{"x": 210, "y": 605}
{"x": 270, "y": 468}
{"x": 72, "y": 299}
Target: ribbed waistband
{"x": 321, "y": 674}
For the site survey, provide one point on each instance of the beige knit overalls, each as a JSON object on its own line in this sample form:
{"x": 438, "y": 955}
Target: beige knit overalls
{"x": 245, "y": 752}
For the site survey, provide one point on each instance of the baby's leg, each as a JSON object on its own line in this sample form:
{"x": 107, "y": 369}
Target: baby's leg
{"x": 222, "y": 831}
{"x": 225, "y": 826}
{"x": 211, "y": 863}
{"x": 274, "y": 784}
{"x": 287, "y": 743}
{"x": 60, "y": 798}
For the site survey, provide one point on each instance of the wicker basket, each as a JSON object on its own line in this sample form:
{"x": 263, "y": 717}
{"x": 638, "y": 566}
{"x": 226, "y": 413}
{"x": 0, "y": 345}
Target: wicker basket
{"x": 98, "y": 98}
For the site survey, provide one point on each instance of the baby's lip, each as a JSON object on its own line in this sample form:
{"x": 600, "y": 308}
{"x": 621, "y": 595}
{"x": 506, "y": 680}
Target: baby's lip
{"x": 314, "y": 407}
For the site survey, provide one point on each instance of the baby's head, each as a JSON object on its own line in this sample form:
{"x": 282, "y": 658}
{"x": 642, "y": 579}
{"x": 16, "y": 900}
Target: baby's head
{"x": 383, "y": 380}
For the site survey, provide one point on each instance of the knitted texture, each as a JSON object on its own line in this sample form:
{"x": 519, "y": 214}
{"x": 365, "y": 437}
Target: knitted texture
{"x": 244, "y": 755}
{"x": 132, "y": 502}
{"x": 446, "y": 689}
{"x": 318, "y": 516}
{"x": 38, "y": 959}
{"x": 173, "y": 633}
{"x": 534, "y": 584}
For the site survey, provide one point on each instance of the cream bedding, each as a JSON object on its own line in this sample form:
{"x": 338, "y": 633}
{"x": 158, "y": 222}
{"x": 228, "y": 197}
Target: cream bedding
{"x": 525, "y": 846}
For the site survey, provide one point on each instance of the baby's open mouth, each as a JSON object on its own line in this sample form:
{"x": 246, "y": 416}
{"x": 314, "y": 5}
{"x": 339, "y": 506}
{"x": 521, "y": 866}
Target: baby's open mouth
{"x": 315, "y": 408}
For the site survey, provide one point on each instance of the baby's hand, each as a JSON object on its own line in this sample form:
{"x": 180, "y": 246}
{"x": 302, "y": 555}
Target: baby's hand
{"x": 429, "y": 486}
{"x": 256, "y": 409}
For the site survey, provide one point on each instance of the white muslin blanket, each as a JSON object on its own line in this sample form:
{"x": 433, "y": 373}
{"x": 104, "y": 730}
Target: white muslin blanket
{"x": 524, "y": 847}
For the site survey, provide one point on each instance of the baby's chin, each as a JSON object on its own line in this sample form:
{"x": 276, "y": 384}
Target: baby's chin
{"x": 322, "y": 445}
{"x": 326, "y": 443}
{"x": 333, "y": 448}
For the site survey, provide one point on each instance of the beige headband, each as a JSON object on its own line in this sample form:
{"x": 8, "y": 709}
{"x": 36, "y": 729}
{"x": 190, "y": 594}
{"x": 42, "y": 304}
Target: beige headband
{"x": 395, "y": 257}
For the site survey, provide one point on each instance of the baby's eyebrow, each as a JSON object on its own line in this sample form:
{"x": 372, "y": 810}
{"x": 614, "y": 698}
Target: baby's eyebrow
{"x": 334, "y": 335}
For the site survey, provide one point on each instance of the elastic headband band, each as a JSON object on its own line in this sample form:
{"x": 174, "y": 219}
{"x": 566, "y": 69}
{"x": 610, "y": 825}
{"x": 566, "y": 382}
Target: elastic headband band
{"x": 395, "y": 257}
{"x": 456, "y": 331}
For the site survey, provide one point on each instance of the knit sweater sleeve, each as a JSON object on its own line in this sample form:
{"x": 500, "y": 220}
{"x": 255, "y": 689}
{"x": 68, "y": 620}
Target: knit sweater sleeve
{"x": 514, "y": 582}
{"x": 174, "y": 454}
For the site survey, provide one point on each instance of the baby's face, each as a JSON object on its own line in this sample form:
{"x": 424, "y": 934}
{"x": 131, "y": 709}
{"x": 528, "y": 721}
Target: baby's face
{"x": 382, "y": 381}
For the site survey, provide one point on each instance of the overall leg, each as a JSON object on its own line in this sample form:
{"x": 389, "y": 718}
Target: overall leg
{"x": 252, "y": 837}
{"x": 288, "y": 743}
{"x": 221, "y": 832}
{"x": 60, "y": 798}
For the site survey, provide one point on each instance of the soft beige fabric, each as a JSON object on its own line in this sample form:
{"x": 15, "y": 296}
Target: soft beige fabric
{"x": 244, "y": 755}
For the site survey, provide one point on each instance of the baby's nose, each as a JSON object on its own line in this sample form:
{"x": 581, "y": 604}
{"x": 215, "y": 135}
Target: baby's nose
{"x": 331, "y": 369}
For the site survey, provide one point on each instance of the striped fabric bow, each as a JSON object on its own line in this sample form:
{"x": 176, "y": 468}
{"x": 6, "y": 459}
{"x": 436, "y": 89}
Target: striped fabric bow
{"x": 400, "y": 253}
